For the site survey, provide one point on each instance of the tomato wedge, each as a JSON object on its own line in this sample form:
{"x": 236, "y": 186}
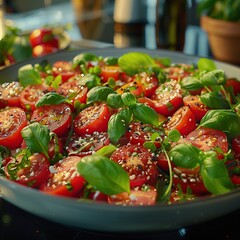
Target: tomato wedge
{"x": 12, "y": 121}
{"x": 56, "y": 117}
{"x": 35, "y": 173}
{"x": 183, "y": 120}
{"x": 65, "y": 179}
{"x": 92, "y": 119}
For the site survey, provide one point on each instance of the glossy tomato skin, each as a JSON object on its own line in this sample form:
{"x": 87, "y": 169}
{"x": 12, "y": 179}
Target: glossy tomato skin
{"x": 110, "y": 72}
{"x": 139, "y": 197}
{"x": 65, "y": 179}
{"x": 56, "y": 117}
{"x": 33, "y": 175}
{"x": 196, "y": 106}
{"x": 87, "y": 144}
{"x": 167, "y": 98}
{"x": 139, "y": 133}
{"x": 43, "y": 36}
{"x": 92, "y": 119}
{"x": 73, "y": 91}
{"x": 64, "y": 69}
{"x": 138, "y": 162}
{"x": 43, "y": 49}
{"x": 12, "y": 120}
{"x": 30, "y": 95}
{"x": 235, "y": 84}
{"x": 183, "y": 120}
{"x": 9, "y": 94}
{"x": 236, "y": 145}
{"x": 208, "y": 139}
{"x": 135, "y": 87}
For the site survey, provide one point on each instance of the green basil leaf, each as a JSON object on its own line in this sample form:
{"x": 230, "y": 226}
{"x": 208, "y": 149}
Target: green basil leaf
{"x": 50, "y": 98}
{"x": 84, "y": 57}
{"x": 205, "y": 64}
{"x": 145, "y": 114}
{"x": 106, "y": 151}
{"x": 37, "y": 138}
{"x": 114, "y": 100}
{"x": 104, "y": 174}
{"x": 110, "y": 61}
{"x": 215, "y": 77}
{"x": 191, "y": 83}
{"x": 98, "y": 94}
{"x": 185, "y": 155}
{"x": 117, "y": 126}
{"x": 214, "y": 100}
{"x": 27, "y": 75}
{"x": 174, "y": 135}
{"x": 128, "y": 99}
{"x": 88, "y": 80}
{"x": 215, "y": 175}
{"x": 136, "y": 62}
{"x": 227, "y": 121}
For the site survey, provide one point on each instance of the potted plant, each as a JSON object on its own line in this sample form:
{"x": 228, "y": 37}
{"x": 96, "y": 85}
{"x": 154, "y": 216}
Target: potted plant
{"x": 220, "y": 19}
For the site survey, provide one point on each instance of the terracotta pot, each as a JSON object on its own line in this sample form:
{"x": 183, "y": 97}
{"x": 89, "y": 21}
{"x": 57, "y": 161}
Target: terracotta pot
{"x": 224, "y": 39}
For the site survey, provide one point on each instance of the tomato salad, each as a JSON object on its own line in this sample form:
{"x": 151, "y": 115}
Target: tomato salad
{"x": 132, "y": 130}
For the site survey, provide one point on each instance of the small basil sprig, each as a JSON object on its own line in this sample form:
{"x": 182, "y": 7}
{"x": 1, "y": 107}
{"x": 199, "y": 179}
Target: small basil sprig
{"x": 27, "y": 75}
{"x": 213, "y": 171}
{"x": 227, "y": 121}
{"x": 99, "y": 94}
{"x": 51, "y": 98}
{"x": 37, "y": 138}
{"x": 104, "y": 174}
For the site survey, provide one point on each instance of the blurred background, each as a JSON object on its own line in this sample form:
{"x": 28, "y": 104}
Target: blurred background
{"x": 122, "y": 23}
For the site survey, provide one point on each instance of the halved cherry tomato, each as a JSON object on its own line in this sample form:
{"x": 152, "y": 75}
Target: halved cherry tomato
{"x": 110, "y": 72}
{"x": 167, "y": 98}
{"x": 65, "y": 179}
{"x": 138, "y": 162}
{"x": 56, "y": 117}
{"x": 236, "y": 145}
{"x": 208, "y": 139}
{"x": 189, "y": 178}
{"x": 87, "y": 144}
{"x": 196, "y": 106}
{"x": 178, "y": 72}
{"x": 9, "y": 94}
{"x": 42, "y": 50}
{"x": 139, "y": 133}
{"x": 92, "y": 119}
{"x": 135, "y": 87}
{"x": 34, "y": 173}
{"x": 140, "y": 197}
{"x": 64, "y": 69}
{"x": 73, "y": 91}
{"x": 235, "y": 84}
{"x": 30, "y": 95}
{"x": 183, "y": 120}
{"x": 43, "y": 36}
{"x": 12, "y": 121}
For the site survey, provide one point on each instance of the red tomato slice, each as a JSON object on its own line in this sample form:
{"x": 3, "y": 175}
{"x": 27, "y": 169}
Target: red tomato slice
{"x": 43, "y": 49}
{"x": 43, "y": 36}
{"x": 110, "y": 72}
{"x": 135, "y": 87}
{"x": 9, "y": 93}
{"x": 167, "y": 98}
{"x": 178, "y": 72}
{"x": 65, "y": 179}
{"x": 183, "y": 120}
{"x": 92, "y": 119}
{"x": 64, "y": 69}
{"x": 235, "y": 84}
{"x": 149, "y": 82}
{"x": 87, "y": 144}
{"x": 196, "y": 106}
{"x": 73, "y": 91}
{"x": 30, "y": 95}
{"x": 12, "y": 121}
{"x": 33, "y": 175}
{"x": 139, "y": 133}
{"x": 135, "y": 198}
{"x": 138, "y": 162}
{"x": 56, "y": 117}
{"x": 208, "y": 139}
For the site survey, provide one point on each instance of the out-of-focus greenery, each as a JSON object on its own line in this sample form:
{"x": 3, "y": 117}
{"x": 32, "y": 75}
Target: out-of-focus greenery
{"x": 228, "y": 10}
